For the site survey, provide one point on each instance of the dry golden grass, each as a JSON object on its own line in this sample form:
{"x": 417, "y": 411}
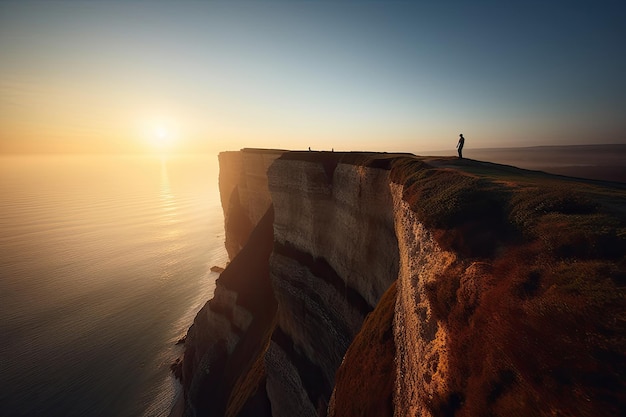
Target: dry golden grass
{"x": 548, "y": 335}
{"x": 250, "y": 382}
{"x": 364, "y": 382}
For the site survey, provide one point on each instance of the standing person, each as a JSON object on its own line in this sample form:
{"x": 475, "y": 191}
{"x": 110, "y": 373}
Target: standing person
{"x": 460, "y": 145}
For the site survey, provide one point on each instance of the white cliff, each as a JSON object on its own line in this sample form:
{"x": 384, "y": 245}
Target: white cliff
{"x": 475, "y": 279}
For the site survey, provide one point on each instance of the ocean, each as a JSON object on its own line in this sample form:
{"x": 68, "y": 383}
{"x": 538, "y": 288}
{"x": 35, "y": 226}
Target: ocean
{"x": 104, "y": 262}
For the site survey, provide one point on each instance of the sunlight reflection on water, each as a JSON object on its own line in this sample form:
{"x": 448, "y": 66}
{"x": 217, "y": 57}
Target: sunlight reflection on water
{"x": 104, "y": 262}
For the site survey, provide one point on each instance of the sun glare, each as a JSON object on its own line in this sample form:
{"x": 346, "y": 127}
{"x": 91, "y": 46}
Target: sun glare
{"x": 160, "y": 134}
{"x": 161, "y": 138}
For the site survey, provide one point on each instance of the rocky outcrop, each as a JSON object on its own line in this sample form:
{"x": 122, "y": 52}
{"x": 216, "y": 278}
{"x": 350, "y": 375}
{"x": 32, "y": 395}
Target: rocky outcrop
{"x": 376, "y": 284}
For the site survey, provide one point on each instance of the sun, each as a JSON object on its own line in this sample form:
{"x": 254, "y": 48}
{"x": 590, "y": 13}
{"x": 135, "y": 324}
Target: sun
{"x": 162, "y": 138}
{"x": 161, "y": 135}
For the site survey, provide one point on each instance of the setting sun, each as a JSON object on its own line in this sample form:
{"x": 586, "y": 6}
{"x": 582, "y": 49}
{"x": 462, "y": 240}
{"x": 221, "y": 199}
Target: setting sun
{"x": 162, "y": 138}
{"x": 160, "y": 135}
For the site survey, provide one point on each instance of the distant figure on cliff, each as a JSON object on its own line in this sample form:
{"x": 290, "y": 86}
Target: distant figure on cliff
{"x": 460, "y": 145}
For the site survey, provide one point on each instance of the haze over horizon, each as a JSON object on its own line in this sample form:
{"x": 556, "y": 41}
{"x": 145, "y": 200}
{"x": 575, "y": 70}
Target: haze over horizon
{"x": 390, "y": 76}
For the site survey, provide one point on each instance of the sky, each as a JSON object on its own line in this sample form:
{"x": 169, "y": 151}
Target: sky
{"x": 144, "y": 76}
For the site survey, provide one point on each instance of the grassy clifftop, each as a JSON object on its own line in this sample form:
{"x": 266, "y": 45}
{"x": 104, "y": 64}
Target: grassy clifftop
{"x": 547, "y": 331}
{"x": 470, "y": 198}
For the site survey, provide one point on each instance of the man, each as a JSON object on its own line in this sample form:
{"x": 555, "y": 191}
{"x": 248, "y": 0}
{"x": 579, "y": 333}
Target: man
{"x": 460, "y": 145}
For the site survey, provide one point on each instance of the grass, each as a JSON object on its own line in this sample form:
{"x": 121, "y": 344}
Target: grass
{"x": 250, "y": 380}
{"x": 467, "y": 213}
{"x": 364, "y": 382}
{"x": 548, "y": 333}
{"x": 475, "y": 207}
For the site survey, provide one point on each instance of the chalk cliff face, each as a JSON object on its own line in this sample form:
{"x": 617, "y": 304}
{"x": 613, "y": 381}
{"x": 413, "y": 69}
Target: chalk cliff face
{"x": 375, "y": 284}
{"x": 244, "y": 193}
{"x": 335, "y": 254}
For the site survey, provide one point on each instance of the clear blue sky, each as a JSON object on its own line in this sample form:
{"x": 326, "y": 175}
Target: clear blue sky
{"x": 376, "y": 75}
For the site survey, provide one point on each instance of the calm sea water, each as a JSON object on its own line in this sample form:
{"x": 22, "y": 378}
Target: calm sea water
{"x": 104, "y": 262}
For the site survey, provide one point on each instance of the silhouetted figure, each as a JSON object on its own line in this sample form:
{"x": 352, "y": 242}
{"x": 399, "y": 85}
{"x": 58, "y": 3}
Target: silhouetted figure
{"x": 309, "y": 149}
{"x": 460, "y": 145}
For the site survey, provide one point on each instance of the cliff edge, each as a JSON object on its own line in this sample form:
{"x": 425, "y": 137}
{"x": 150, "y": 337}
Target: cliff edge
{"x": 389, "y": 284}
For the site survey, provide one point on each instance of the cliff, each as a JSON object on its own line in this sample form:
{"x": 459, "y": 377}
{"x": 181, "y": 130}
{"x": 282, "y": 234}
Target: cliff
{"x": 389, "y": 284}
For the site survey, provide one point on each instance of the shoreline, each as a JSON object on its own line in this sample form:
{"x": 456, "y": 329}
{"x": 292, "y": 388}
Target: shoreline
{"x": 179, "y": 404}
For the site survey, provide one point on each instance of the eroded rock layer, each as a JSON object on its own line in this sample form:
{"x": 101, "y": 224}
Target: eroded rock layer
{"x": 335, "y": 254}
